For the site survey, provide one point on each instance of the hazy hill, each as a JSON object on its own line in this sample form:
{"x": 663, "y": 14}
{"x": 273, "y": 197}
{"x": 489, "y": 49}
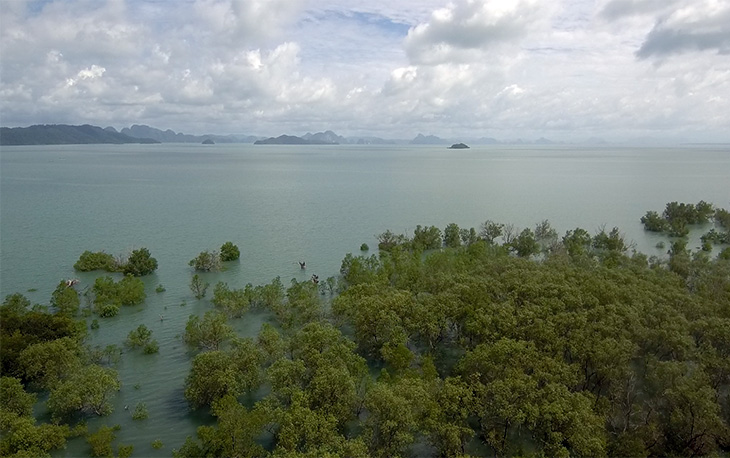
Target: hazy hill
{"x": 429, "y": 140}
{"x": 327, "y": 137}
{"x": 292, "y": 140}
{"x": 170, "y": 136}
{"x": 370, "y": 141}
{"x": 62, "y": 134}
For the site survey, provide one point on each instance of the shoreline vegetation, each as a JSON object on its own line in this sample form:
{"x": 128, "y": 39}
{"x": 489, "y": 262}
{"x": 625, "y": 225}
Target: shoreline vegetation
{"x": 494, "y": 341}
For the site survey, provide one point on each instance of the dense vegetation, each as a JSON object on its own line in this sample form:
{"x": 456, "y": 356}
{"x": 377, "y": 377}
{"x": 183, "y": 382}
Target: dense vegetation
{"x": 229, "y": 252}
{"x": 207, "y": 261}
{"x": 494, "y": 341}
{"x": 538, "y": 345}
{"x": 677, "y": 218}
{"x": 139, "y": 262}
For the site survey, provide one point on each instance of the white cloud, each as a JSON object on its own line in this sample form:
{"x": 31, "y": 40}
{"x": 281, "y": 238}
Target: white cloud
{"x": 699, "y": 26}
{"x": 244, "y": 20}
{"x": 472, "y": 29}
{"x": 92, "y": 72}
{"x": 565, "y": 69}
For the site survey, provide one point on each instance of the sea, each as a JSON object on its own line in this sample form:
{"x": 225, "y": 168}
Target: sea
{"x": 282, "y": 204}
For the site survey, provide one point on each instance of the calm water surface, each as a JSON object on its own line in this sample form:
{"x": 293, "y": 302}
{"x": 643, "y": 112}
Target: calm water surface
{"x": 282, "y": 204}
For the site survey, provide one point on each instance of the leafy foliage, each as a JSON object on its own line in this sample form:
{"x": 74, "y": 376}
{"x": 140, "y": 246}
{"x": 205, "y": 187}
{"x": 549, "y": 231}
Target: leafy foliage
{"x": 234, "y": 420}
{"x": 151, "y": 347}
{"x": 539, "y": 345}
{"x": 139, "y": 263}
{"x": 426, "y": 238}
{"x": 229, "y": 252}
{"x": 525, "y": 244}
{"x": 215, "y": 374}
{"x": 490, "y": 230}
{"x": 13, "y": 398}
{"x": 19, "y": 434}
{"x": 654, "y": 223}
{"x": 87, "y": 391}
{"x": 198, "y": 286}
{"x": 677, "y": 217}
{"x": 206, "y": 261}
{"x": 452, "y": 237}
{"x": 388, "y": 240}
{"x": 65, "y": 299}
{"x": 46, "y": 364}
{"x": 125, "y": 451}
{"x": 99, "y": 260}
{"x": 588, "y": 350}
{"x": 101, "y": 441}
{"x": 208, "y": 333}
{"x": 234, "y": 302}
{"x": 110, "y": 295}
{"x": 142, "y": 337}
{"x": 140, "y": 412}
{"x": 22, "y": 328}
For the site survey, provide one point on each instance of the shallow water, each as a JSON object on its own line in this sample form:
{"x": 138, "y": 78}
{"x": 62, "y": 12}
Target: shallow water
{"x": 282, "y": 204}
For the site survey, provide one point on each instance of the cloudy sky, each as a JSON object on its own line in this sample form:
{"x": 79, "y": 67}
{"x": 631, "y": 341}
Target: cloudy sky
{"x": 562, "y": 69}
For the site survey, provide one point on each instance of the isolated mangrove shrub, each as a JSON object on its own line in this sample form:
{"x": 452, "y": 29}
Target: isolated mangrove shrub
{"x": 229, "y": 252}
{"x": 101, "y": 441}
{"x": 99, "y": 260}
{"x": 206, "y": 261}
{"x": 110, "y": 295}
{"x": 140, "y": 412}
{"x": 198, "y": 286}
{"x": 139, "y": 263}
{"x": 142, "y": 337}
{"x": 151, "y": 347}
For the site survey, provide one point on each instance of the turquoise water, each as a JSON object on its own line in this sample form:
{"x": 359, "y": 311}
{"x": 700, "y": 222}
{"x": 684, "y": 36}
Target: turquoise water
{"x": 282, "y": 204}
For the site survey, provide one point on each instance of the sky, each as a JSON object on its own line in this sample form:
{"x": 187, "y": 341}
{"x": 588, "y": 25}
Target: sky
{"x": 567, "y": 70}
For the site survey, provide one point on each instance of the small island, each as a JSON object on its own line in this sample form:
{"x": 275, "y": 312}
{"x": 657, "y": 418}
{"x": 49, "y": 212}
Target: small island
{"x": 208, "y": 141}
{"x": 459, "y": 146}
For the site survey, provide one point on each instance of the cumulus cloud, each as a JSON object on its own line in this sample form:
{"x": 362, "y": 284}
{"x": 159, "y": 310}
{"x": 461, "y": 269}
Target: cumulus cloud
{"x": 454, "y": 32}
{"x": 619, "y": 9}
{"x": 698, "y": 26}
{"x": 245, "y": 19}
{"x": 562, "y": 69}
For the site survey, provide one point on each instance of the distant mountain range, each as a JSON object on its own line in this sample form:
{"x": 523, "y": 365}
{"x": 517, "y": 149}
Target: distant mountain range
{"x": 61, "y": 134}
{"x": 293, "y": 140}
{"x": 170, "y": 136}
{"x": 325, "y": 138}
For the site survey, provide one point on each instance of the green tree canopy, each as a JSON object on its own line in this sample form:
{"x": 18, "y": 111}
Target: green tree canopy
{"x": 206, "y": 261}
{"x": 99, "y": 260}
{"x": 46, "y": 364}
{"x": 229, "y": 252}
{"x": 87, "y": 391}
{"x": 139, "y": 263}
{"x": 209, "y": 332}
{"x": 216, "y": 374}
{"x": 65, "y": 299}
